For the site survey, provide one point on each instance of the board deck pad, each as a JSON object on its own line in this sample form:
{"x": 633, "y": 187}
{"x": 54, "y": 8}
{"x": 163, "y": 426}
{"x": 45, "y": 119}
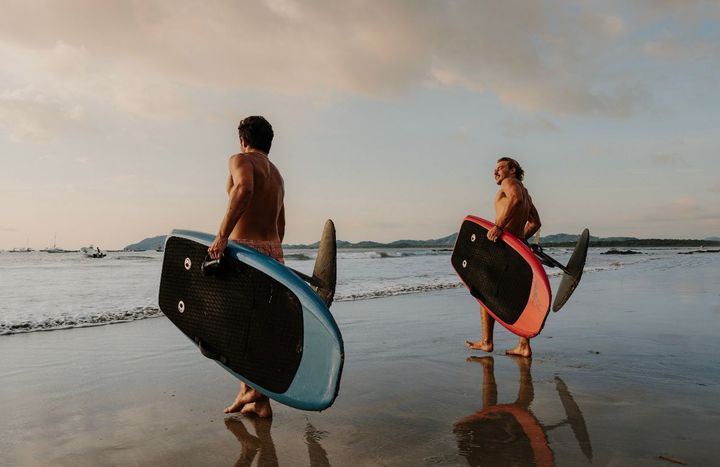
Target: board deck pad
{"x": 252, "y": 322}
{"x": 496, "y": 273}
{"x": 504, "y": 276}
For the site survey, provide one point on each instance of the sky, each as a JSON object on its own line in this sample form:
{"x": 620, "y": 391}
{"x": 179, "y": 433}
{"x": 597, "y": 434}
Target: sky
{"x": 117, "y": 119}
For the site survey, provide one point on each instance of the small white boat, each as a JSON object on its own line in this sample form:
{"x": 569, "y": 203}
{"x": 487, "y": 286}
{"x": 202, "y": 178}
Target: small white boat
{"x": 92, "y": 252}
{"x": 54, "y": 248}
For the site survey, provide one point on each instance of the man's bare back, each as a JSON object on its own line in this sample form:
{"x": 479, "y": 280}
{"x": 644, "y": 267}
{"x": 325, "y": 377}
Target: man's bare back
{"x": 264, "y": 216}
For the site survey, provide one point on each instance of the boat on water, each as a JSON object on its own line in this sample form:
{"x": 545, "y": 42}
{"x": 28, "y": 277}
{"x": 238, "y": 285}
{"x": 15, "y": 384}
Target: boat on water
{"x": 27, "y": 249}
{"x": 20, "y": 250}
{"x": 92, "y": 252}
{"x": 54, "y": 248}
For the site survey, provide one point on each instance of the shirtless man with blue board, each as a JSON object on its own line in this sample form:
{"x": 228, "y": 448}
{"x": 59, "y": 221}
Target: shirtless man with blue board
{"x": 255, "y": 217}
{"x": 514, "y": 213}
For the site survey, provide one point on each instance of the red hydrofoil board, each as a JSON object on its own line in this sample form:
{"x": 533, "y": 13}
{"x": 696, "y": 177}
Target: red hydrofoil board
{"x": 504, "y": 276}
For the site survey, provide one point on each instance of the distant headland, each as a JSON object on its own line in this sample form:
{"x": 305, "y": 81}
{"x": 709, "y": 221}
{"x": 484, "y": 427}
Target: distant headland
{"x": 557, "y": 240}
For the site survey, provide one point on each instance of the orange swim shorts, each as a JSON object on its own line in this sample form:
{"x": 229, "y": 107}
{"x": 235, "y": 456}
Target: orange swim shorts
{"x": 271, "y": 248}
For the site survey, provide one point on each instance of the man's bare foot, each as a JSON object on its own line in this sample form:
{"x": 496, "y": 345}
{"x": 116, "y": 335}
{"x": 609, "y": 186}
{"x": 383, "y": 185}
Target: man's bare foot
{"x": 522, "y": 350}
{"x": 250, "y": 395}
{"x": 260, "y": 407}
{"x": 479, "y": 345}
{"x": 236, "y": 406}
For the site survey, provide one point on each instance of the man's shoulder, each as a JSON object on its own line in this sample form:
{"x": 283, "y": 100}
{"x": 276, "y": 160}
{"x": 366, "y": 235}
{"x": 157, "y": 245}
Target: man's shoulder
{"x": 239, "y": 158}
{"x": 511, "y": 181}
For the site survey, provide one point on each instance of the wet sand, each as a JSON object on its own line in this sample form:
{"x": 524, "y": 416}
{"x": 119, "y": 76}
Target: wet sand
{"x": 628, "y": 373}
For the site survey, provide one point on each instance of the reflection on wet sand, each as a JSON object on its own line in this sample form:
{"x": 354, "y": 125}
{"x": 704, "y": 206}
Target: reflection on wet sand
{"x": 263, "y": 447}
{"x": 574, "y": 418}
{"x": 510, "y": 434}
{"x": 318, "y": 456}
{"x": 261, "y": 444}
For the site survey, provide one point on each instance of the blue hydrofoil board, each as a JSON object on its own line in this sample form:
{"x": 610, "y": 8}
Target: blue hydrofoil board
{"x": 257, "y": 318}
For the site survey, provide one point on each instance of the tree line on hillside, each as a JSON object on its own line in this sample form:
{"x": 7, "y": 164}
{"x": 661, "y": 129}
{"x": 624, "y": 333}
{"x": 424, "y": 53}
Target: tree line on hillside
{"x": 558, "y": 240}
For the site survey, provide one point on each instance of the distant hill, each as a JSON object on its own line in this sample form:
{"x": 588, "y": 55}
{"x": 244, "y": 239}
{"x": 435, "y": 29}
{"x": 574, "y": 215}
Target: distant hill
{"x": 561, "y": 239}
{"x": 572, "y": 238}
{"x": 151, "y": 243}
{"x": 444, "y": 242}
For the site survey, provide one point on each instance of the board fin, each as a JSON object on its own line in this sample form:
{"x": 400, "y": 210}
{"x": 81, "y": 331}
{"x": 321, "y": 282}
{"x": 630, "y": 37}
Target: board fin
{"x": 325, "y": 271}
{"x": 573, "y": 271}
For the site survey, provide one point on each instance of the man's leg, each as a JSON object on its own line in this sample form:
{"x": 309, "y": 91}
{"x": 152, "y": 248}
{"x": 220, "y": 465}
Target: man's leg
{"x": 488, "y": 325}
{"x": 522, "y": 350}
{"x": 249, "y": 399}
{"x": 526, "y": 391}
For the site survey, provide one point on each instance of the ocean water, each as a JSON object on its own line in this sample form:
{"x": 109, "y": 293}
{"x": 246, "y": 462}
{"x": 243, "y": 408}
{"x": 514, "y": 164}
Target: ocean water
{"x": 42, "y": 291}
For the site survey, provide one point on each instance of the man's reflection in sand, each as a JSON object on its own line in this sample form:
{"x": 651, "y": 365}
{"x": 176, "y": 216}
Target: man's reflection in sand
{"x": 262, "y": 445}
{"x": 509, "y": 434}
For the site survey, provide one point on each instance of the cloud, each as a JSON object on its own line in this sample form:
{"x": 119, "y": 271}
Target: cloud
{"x": 683, "y": 209}
{"x": 30, "y": 113}
{"x": 685, "y": 204}
{"x": 682, "y": 8}
{"x": 525, "y": 126}
{"x": 680, "y": 50}
{"x": 286, "y": 8}
{"x": 150, "y": 58}
{"x": 668, "y": 160}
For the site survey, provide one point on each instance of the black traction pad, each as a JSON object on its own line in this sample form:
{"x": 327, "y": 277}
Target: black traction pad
{"x": 495, "y": 273}
{"x": 245, "y": 319}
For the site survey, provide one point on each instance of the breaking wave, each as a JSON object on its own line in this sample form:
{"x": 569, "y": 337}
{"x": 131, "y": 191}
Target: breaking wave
{"x": 69, "y": 322}
{"x": 383, "y": 254}
{"x": 398, "y": 290}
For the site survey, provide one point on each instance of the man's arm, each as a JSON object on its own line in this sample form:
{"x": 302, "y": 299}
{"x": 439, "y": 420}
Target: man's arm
{"x": 533, "y": 224}
{"x": 513, "y": 194}
{"x": 241, "y": 172}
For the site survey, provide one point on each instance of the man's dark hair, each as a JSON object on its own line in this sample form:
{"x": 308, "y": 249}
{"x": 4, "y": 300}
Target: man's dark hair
{"x": 257, "y": 132}
{"x": 513, "y": 164}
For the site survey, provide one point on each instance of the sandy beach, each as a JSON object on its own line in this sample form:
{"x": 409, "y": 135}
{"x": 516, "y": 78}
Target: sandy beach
{"x": 628, "y": 373}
